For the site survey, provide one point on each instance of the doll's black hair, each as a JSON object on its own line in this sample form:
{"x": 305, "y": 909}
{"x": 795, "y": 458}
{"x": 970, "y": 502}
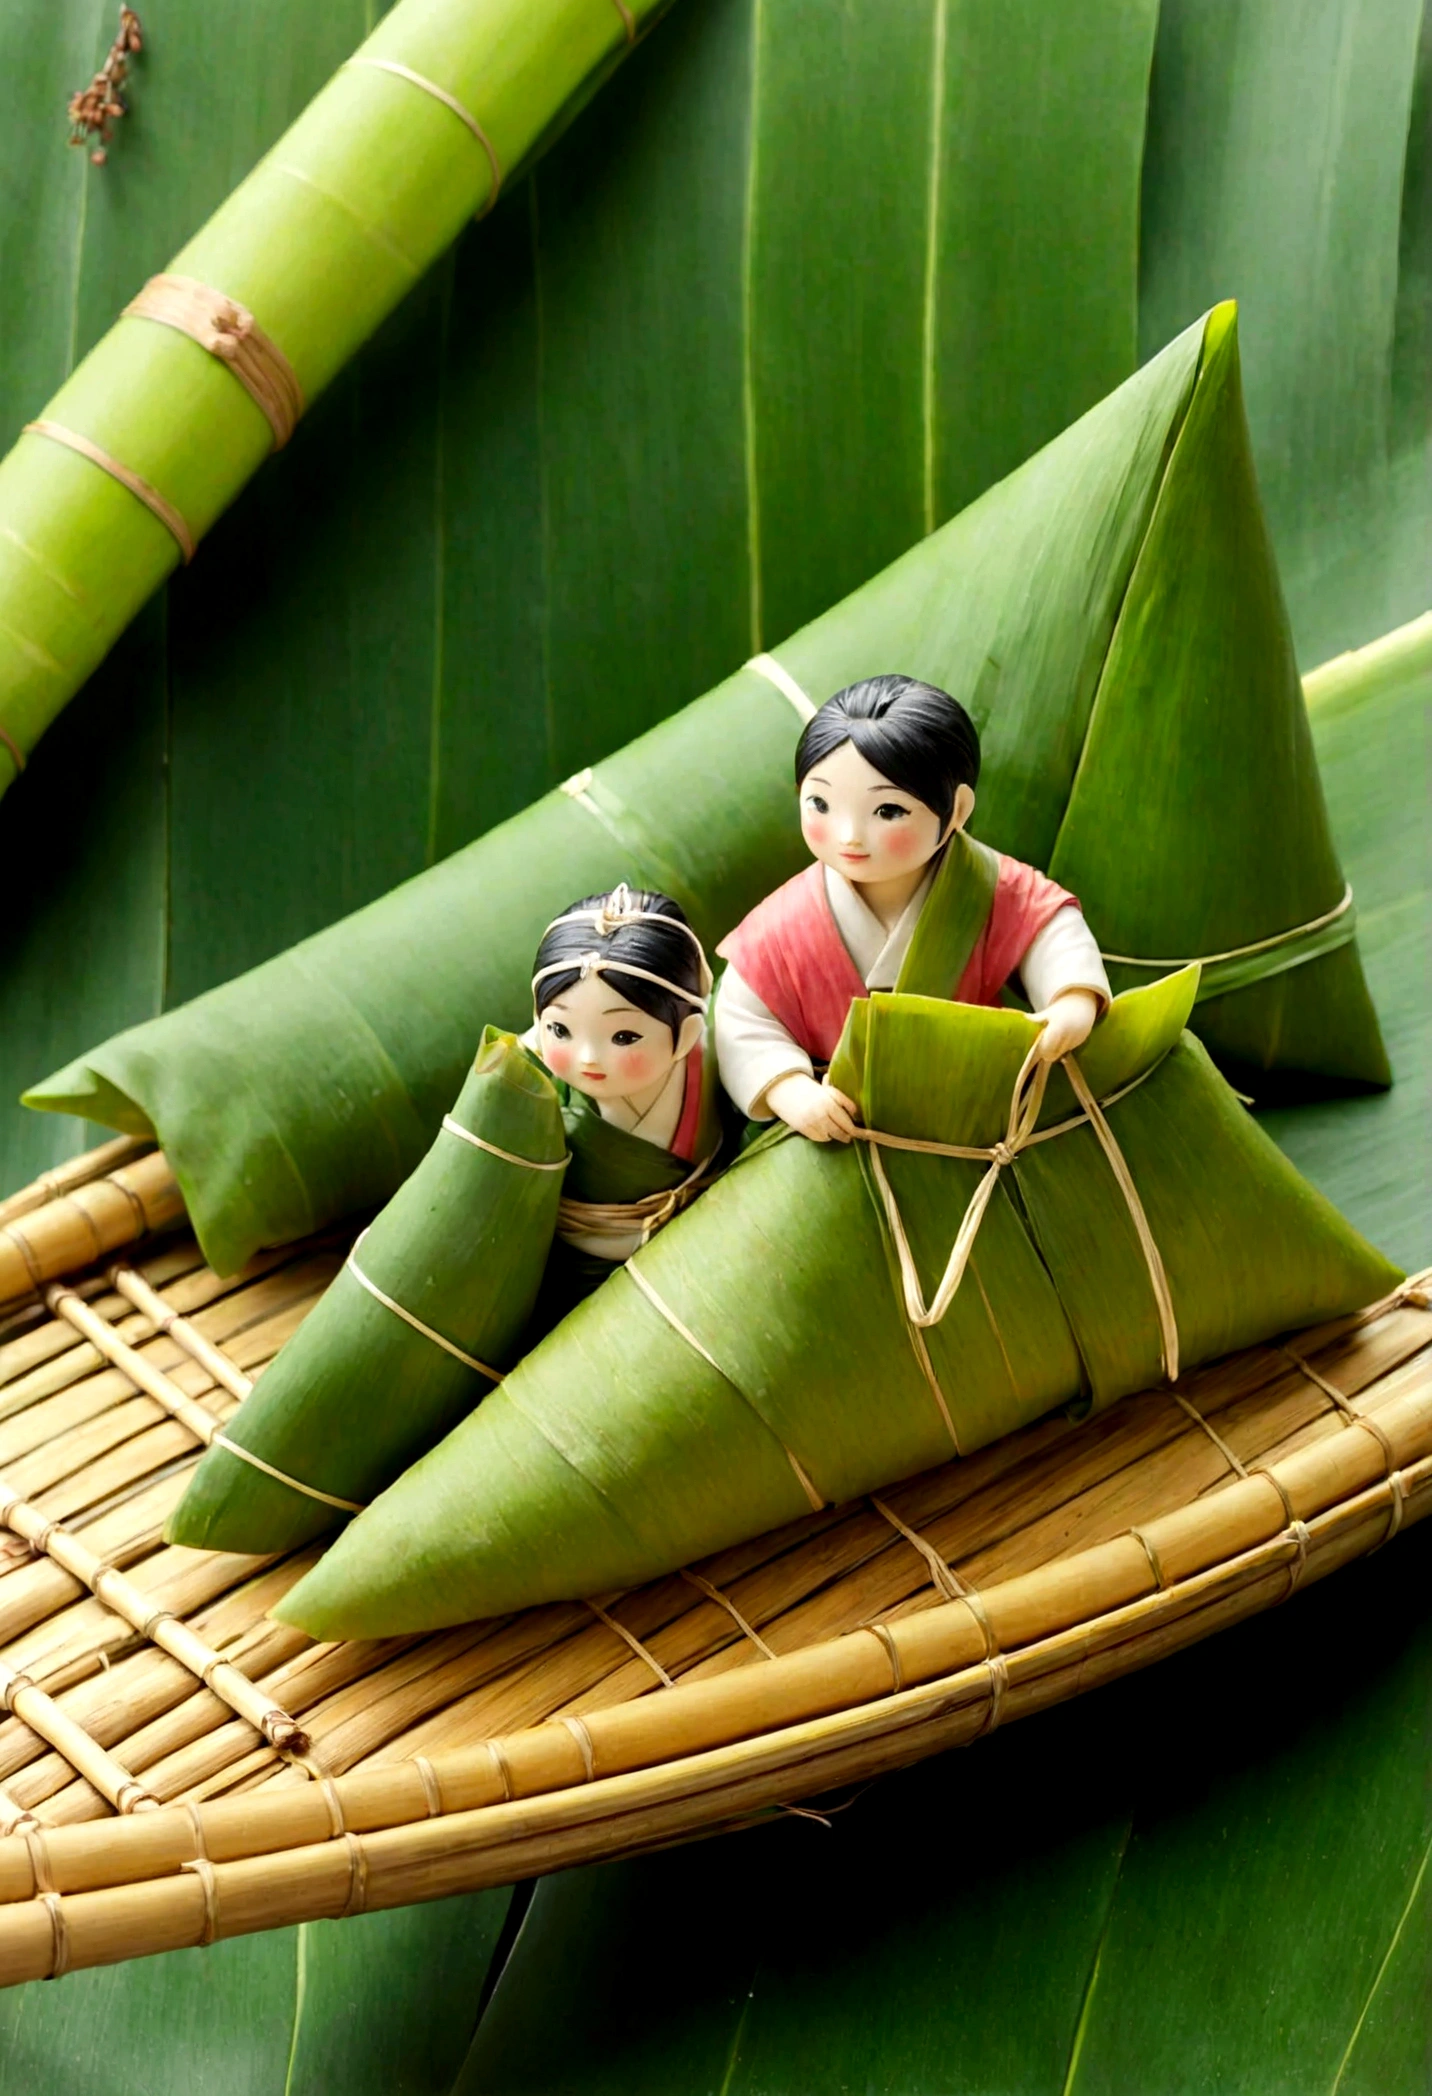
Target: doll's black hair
{"x": 917, "y": 735}
{"x": 665, "y": 948}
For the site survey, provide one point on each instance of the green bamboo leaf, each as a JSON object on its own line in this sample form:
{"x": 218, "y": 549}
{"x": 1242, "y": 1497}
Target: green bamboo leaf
{"x": 1211, "y": 1881}
{"x": 382, "y": 2005}
{"x": 1372, "y": 725}
{"x": 1278, "y": 147}
{"x": 1201, "y": 628}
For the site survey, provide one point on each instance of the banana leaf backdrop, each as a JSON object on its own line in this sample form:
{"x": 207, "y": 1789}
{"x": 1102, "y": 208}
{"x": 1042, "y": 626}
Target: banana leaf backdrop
{"x": 799, "y": 284}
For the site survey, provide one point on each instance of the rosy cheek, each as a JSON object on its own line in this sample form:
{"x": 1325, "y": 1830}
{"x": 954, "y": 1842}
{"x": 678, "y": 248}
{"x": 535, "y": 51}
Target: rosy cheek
{"x": 557, "y": 1055}
{"x": 903, "y": 841}
{"x": 635, "y": 1065}
{"x": 815, "y": 830}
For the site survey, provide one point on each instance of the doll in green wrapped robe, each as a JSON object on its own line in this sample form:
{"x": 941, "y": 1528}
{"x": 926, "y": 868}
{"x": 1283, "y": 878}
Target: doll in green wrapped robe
{"x": 562, "y": 1154}
{"x": 619, "y": 992}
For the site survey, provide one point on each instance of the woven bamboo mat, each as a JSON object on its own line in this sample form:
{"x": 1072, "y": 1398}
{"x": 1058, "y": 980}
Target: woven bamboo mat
{"x": 176, "y": 1767}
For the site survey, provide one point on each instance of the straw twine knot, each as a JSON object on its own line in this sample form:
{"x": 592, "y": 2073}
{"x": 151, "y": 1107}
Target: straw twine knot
{"x": 231, "y": 327}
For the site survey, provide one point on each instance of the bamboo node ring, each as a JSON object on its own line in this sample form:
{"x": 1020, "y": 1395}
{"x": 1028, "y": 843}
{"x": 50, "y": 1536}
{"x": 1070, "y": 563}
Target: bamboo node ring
{"x": 449, "y": 101}
{"x": 201, "y": 1868}
{"x": 158, "y": 507}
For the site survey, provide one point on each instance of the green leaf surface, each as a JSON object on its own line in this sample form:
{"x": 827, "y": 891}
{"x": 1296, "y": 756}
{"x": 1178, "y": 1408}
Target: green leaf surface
{"x": 1373, "y": 1156}
{"x": 382, "y": 2005}
{"x": 1279, "y": 141}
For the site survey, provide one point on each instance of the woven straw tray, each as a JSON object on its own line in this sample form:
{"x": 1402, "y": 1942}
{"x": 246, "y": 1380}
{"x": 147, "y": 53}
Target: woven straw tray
{"x": 175, "y": 1767}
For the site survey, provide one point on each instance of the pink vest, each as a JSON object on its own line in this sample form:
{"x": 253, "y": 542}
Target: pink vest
{"x": 790, "y": 951}
{"x": 683, "y": 1143}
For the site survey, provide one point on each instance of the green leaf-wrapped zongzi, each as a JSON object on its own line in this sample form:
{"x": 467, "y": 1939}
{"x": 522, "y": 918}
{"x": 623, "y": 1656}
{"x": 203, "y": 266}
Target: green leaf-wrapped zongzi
{"x": 425, "y": 1316}
{"x": 803, "y": 1334}
{"x": 1111, "y": 617}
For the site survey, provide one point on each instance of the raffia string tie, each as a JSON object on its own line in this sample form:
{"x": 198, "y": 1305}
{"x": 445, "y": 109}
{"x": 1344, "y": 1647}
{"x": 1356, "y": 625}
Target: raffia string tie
{"x": 295, "y": 1484}
{"x": 480, "y": 1142}
{"x": 1020, "y": 1134}
{"x": 616, "y": 1220}
{"x": 229, "y": 332}
{"x": 776, "y": 674}
{"x": 683, "y": 1331}
{"x": 449, "y": 101}
{"x": 447, "y": 1345}
{"x": 1255, "y": 946}
{"x": 153, "y": 501}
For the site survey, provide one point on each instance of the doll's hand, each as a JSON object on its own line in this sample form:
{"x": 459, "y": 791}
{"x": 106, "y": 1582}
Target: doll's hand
{"x": 1068, "y": 1022}
{"x": 816, "y": 1110}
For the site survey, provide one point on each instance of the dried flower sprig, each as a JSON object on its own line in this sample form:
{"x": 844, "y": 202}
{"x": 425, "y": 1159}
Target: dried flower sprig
{"x": 94, "y": 110}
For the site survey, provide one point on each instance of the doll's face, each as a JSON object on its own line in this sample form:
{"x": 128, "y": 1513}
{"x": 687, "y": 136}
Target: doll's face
{"x": 854, "y": 820}
{"x": 603, "y": 1046}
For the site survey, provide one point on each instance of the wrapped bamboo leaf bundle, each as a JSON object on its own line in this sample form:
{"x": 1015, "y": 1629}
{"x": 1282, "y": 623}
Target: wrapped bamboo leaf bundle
{"x": 1110, "y": 615}
{"x": 417, "y": 1327}
{"x": 827, "y": 1320}
{"x": 208, "y": 369}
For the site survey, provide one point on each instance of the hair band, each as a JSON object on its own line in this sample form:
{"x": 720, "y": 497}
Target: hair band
{"x": 617, "y": 910}
{"x": 585, "y": 964}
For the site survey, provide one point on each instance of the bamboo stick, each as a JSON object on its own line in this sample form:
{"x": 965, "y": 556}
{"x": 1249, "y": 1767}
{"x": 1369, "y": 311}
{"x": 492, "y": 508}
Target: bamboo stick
{"x": 1391, "y": 655}
{"x": 45, "y": 1718}
{"x": 76, "y": 1228}
{"x": 135, "y": 1289}
{"x": 63, "y": 1302}
{"x": 160, "y": 1625}
{"x": 77, "y": 1171}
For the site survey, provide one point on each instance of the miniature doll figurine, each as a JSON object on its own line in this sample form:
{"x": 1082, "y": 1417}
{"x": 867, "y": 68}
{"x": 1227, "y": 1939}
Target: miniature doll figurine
{"x": 619, "y": 990}
{"x": 886, "y": 772}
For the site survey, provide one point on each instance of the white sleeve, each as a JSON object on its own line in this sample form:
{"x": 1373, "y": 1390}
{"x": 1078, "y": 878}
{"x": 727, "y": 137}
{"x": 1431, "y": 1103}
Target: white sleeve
{"x": 753, "y": 1049}
{"x": 1063, "y": 956}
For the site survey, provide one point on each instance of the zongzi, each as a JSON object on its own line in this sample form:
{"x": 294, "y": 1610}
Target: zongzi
{"x": 830, "y": 1318}
{"x": 441, "y": 1292}
{"x": 1180, "y": 803}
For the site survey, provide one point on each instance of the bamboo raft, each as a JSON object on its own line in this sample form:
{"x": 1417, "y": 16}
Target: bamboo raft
{"x": 175, "y": 1767}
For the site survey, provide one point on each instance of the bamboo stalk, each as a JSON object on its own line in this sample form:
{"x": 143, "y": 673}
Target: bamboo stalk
{"x": 160, "y": 1625}
{"x": 152, "y": 437}
{"x": 82, "y": 1225}
{"x": 77, "y": 1171}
